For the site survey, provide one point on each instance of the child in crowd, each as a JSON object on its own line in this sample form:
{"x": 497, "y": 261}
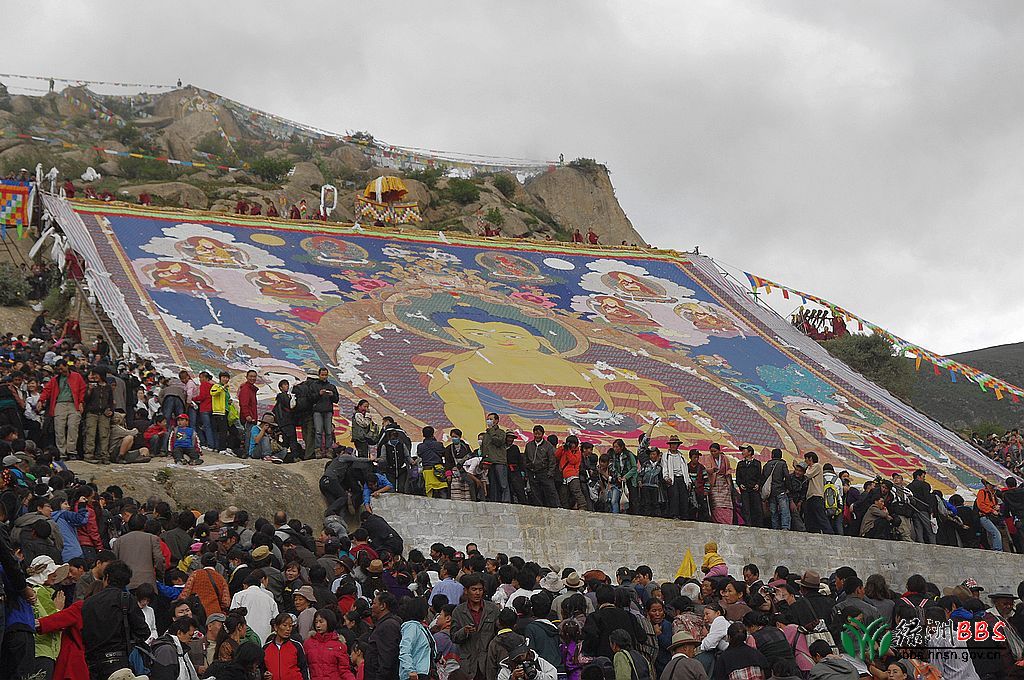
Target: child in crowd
{"x": 184, "y": 443}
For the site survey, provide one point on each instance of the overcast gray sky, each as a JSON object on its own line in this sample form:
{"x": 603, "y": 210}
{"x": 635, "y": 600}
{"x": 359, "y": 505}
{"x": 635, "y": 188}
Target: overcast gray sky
{"x": 867, "y": 152}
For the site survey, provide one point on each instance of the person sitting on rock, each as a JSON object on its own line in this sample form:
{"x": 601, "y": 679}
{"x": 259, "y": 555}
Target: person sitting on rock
{"x": 183, "y": 442}
{"x": 123, "y": 440}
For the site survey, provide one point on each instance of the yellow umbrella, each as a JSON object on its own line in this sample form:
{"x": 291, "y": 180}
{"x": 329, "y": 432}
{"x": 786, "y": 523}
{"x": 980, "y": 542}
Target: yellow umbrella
{"x": 687, "y": 568}
{"x": 385, "y": 189}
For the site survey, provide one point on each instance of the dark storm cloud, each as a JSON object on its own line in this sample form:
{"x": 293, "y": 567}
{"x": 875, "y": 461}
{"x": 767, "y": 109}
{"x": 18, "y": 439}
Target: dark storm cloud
{"x": 868, "y": 152}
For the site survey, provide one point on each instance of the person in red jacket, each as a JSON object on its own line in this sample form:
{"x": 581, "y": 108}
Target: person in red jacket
{"x": 326, "y": 653}
{"x": 247, "y": 400}
{"x": 284, "y": 657}
{"x": 569, "y": 458}
{"x": 71, "y": 663}
{"x": 63, "y": 398}
{"x": 89, "y": 533}
{"x": 204, "y": 401}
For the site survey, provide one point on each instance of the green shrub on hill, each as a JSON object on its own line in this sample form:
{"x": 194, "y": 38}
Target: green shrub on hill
{"x": 462, "y": 191}
{"x": 495, "y": 217}
{"x": 270, "y": 169}
{"x": 506, "y": 185}
{"x": 212, "y": 143}
{"x": 58, "y": 303}
{"x": 428, "y": 176}
{"x": 146, "y": 169}
{"x": 13, "y": 286}
{"x": 872, "y": 356}
{"x": 128, "y": 135}
{"x": 587, "y": 165}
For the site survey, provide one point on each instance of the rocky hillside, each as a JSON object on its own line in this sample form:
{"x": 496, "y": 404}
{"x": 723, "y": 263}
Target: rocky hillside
{"x": 189, "y": 124}
{"x": 962, "y": 406}
{"x": 262, "y": 488}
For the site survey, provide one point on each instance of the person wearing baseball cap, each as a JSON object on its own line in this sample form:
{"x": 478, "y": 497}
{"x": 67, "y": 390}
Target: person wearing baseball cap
{"x": 184, "y": 442}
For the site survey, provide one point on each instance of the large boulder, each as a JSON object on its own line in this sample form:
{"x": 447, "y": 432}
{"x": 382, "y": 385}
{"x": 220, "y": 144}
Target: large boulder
{"x": 21, "y": 103}
{"x": 584, "y": 198}
{"x": 183, "y": 134}
{"x": 260, "y": 488}
{"x": 178, "y": 193}
{"x": 351, "y": 156}
{"x": 305, "y": 176}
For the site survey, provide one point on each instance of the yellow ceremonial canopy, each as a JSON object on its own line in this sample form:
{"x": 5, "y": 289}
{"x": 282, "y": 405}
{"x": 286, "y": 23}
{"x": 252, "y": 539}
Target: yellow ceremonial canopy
{"x": 385, "y": 189}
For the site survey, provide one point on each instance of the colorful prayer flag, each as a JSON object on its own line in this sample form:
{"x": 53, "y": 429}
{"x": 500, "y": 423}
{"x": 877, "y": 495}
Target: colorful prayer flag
{"x": 15, "y": 206}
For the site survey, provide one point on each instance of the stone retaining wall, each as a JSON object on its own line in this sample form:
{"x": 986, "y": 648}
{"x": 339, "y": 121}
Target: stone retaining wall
{"x": 561, "y": 538}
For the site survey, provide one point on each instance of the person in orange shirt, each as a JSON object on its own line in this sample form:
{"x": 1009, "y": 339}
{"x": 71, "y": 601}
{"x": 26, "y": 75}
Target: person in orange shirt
{"x": 209, "y": 585}
{"x": 987, "y": 504}
{"x": 569, "y": 457}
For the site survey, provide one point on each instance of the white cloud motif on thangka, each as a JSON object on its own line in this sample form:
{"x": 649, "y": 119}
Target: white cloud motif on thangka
{"x": 630, "y": 282}
{"x": 627, "y": 295}
{"x": 217, "y": 336}
{"x": 349, "y": 357}
{"x": 264, "y": 289}
{"x": 198, "y": 244}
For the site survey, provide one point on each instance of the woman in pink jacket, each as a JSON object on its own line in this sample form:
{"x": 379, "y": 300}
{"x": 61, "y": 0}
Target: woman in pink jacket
{"x": 326, "y": 654}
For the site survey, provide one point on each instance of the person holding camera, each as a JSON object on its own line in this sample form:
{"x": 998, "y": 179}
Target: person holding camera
{"x": 522, "y": 663}
{"x": 262, "y": 439}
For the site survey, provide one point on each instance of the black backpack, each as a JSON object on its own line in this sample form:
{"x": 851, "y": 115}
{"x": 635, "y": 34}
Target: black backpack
{"x": 599, "y": 668}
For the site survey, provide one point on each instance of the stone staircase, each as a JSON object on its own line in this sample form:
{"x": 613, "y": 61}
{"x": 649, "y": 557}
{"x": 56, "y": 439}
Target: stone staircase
{"x": 94, "y": 322}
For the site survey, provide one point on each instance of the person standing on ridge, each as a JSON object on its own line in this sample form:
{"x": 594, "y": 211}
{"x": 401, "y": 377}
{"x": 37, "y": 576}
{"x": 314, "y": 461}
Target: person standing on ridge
{"x": 364, "y": 430}
{"x": 814, "y": 506}
{"x": 326, "y": 396}
{"x": 493, "y": 451}
{"x": 541, "y": 465}
{"x": 63, "y": 399}
{"x": 247, "y": 404}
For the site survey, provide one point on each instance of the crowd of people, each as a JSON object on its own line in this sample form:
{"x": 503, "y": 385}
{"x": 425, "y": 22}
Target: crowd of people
{"x": 67, "y": 400}
{"x": 99, "y": 586}
{"x": 1007, "y": 450}
{"x": 698, "y": 485}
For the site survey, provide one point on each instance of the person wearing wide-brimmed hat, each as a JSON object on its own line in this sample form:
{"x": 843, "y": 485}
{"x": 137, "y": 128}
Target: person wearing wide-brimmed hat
{"x": 305, "y": 602}
{"x": 677, "y": 480}
{"x": 683, "y": 666}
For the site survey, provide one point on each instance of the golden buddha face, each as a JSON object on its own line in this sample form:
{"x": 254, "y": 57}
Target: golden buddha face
{"x": 496, "y": 335}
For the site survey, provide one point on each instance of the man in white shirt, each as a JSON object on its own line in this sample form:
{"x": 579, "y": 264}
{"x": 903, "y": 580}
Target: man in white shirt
{"x": 677, "y": 480}
{"x": 259, "y": 603}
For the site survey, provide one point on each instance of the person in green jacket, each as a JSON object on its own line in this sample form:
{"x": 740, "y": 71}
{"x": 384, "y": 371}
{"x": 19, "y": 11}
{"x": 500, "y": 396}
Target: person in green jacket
{"x": 43, "y": 575}
{"x": 493, "y": 449}
{"x": 624, "y": 477}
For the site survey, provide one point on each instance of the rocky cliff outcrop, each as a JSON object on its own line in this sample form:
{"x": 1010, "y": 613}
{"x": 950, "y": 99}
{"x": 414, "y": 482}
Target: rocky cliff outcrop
{"x": 583, "y": 198}
{"x": 261, "y": 488}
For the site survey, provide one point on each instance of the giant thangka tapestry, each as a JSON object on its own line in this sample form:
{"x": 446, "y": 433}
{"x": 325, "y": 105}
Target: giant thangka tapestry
{"x": 442, "y": 330}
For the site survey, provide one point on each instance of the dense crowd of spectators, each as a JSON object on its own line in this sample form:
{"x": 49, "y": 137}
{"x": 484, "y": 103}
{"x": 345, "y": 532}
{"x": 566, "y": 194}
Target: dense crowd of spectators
{"x": 1007, "y": 450}
{"x": 700, "y": 485}
{"x": 99, "y": 585}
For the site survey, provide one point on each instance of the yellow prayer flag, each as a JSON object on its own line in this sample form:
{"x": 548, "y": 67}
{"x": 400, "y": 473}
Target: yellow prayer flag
{"x": 687, "y": 568}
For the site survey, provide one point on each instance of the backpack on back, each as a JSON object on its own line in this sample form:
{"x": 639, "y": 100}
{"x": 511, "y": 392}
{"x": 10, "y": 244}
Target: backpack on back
{"x": 833, "y": 496}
